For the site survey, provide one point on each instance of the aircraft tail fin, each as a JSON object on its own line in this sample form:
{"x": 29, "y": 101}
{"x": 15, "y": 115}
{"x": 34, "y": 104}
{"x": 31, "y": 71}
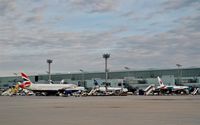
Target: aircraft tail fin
{"x": 160, "y": 81}
{"x": 26, "y": 81}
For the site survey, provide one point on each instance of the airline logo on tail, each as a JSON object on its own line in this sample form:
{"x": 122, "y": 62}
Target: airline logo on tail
{"x": 26, "y": 81}
{"x": 162, "y": 86}
{"x": 160, "y": 81}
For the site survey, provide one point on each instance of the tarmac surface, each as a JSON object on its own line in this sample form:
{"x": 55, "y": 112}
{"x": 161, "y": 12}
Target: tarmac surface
{"x": 113, "y": 110}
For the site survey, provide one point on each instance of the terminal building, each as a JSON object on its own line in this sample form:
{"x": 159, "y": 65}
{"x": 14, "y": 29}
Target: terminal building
{"x": 184, "y": 76}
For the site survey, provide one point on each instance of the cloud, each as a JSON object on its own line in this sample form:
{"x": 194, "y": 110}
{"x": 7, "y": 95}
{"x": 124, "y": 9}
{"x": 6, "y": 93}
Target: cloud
{"x": 178, "y": 4}
{"x": 150, "y": 42}
{"x": 191, "y": 23}
{"x": 36, "y": 14}
{"x": 95, "y": 6}
{"x": 159, "y": 9}
{"x": 6, "y": 6}
{"x": 33, "y": 19}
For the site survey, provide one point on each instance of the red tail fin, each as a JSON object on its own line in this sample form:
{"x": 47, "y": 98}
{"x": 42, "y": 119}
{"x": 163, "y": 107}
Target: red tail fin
{"x": 24, "y": 76}
{"x": 26, "y": 82}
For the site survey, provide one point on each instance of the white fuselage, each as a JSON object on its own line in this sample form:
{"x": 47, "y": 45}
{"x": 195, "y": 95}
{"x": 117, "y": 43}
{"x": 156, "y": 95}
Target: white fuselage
{"x": 173, "y": 87}
{"x": 113, "y": 89}
{"x": 51, "y": 87}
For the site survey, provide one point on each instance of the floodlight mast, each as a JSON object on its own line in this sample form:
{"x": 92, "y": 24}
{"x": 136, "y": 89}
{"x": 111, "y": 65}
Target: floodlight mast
{"x": 49, "y": 61}
{"x": 83, "y": 76}
{"x": 179, "y": 73}
{"x": 106, "y": 56}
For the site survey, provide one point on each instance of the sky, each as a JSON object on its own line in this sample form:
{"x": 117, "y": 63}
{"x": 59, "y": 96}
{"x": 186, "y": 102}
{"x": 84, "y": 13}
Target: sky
{"x": 139, "y": 34}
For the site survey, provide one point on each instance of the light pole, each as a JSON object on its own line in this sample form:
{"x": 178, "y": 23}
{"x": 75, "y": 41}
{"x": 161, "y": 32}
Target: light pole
{"x": 106, "y": 56}
{"x": 128, "y": 69}
{"x": 82, "y": 71}
{"x": 49, "y": 61}
{"x": 179, "y": 73}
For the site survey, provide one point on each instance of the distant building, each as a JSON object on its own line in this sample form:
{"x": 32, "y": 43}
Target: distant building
{"x": 170, "y": 76}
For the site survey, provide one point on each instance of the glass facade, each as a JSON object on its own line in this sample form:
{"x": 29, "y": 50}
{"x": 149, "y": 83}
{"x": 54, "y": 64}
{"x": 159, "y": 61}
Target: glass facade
{"x": 184, "y": 74}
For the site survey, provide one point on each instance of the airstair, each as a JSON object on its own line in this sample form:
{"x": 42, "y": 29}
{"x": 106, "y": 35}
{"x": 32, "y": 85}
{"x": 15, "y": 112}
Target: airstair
{"x": 8, "y": 92}
{"x": 93, "y": 91}
{"x": 195, "y": 91}
{"x": 149, "y": 89}
{"x": 11, "y": 91}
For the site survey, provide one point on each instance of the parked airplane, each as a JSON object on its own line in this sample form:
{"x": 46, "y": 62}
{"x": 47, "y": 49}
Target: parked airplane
{"x": 103, "y": 89}
{"x": 48, "y": 89}
{"x": 171, "y": 87}
{"x": 108, "y": 89}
